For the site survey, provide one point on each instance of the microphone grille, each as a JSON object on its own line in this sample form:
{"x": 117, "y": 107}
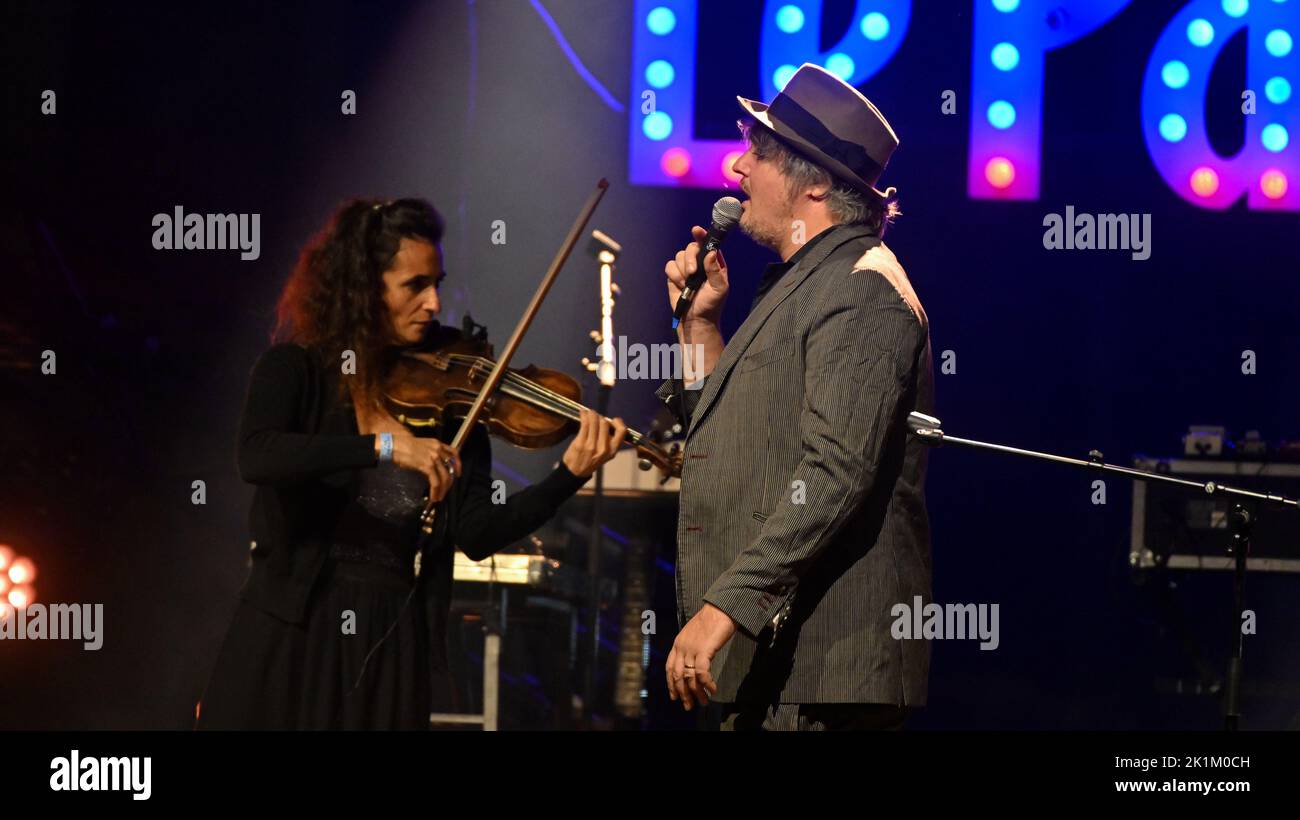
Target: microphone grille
{"x": 726, "y": 212}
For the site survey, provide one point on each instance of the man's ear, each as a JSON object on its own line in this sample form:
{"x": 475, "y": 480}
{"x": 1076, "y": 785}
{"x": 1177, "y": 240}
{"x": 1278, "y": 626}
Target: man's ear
{"x": 818, "y": 192}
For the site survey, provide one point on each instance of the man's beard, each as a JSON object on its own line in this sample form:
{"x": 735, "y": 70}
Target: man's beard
{"x": 768, "y": 233}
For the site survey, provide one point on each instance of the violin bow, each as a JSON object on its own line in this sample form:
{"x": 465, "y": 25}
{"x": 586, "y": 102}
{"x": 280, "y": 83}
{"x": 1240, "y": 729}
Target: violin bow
{"x": 503, "y": 361}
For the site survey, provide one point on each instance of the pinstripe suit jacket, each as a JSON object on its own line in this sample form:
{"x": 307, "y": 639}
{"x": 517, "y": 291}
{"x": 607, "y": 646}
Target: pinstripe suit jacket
{"x": 802, "y": 494}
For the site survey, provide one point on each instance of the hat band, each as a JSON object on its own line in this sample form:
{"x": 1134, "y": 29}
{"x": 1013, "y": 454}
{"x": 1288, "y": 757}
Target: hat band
{"x": 849, "y": 154}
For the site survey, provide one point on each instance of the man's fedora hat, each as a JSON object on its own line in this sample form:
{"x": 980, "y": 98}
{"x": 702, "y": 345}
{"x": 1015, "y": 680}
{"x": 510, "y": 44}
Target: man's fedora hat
{"x": 831, "y": 123}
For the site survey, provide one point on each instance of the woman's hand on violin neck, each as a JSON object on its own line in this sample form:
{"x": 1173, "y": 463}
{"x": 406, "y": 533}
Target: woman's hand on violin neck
{"x": 436, "y": 460}
{"x": 596, "y": 442}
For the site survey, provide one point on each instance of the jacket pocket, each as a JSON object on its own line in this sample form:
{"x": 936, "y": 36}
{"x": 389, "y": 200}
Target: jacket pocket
{"x": 760, "y": 518}
{"x": 781, "y": 349}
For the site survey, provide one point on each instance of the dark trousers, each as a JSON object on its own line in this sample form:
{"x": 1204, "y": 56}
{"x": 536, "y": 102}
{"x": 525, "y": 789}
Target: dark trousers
{"x": 810, "y": 717}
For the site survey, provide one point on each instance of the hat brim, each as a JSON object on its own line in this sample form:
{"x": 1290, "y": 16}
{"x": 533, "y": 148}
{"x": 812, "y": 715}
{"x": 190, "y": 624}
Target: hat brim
{"x": 758, "y": 111}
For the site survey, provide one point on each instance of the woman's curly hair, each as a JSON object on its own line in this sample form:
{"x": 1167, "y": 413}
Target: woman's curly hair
{"x": 334, "y": 299}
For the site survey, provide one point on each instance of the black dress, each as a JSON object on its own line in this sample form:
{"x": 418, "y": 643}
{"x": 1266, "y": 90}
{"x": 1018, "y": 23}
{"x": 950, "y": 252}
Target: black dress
{"x": 334, "y": 629}
{"x": 361, "y": 659}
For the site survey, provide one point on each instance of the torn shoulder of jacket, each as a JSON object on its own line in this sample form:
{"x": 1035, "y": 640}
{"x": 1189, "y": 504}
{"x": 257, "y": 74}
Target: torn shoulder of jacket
{"x": 881, "y": 260}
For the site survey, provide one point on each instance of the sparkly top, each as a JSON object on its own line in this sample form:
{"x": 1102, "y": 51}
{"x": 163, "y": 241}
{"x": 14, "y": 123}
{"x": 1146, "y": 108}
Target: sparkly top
{"x": 384, "y": 518}
{"x": 392, "y": 494}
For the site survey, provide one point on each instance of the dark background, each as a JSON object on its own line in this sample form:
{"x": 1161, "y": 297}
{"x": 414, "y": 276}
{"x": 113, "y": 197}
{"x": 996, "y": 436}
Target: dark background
{"x": 234, "y": 107}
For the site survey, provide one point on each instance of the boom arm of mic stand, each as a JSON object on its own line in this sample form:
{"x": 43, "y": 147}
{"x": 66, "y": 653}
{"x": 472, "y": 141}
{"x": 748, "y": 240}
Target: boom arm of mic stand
{"x": 929, "y": 430}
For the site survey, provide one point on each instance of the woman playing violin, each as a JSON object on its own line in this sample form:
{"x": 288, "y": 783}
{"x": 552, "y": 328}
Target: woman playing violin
{"x": 341, "y": 622}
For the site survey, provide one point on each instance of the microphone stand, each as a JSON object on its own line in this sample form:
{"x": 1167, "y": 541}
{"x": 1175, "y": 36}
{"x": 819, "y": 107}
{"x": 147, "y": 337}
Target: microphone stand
{"x": 607, "y": 251}
{"x": 1240, "y": 522}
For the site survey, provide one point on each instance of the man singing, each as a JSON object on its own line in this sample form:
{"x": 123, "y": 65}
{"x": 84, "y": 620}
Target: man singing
{"x": 803, "y": 518}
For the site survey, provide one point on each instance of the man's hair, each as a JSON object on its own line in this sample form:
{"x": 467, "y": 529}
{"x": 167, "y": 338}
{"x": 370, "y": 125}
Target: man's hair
{"x": 847, "y": 205}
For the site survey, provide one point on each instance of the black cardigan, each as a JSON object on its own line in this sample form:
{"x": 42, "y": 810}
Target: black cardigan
{"x": 300, "y": 445}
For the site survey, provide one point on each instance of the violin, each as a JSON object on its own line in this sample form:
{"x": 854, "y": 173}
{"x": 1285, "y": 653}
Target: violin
{"x": 498, "y": 372}
{"x": 532, "y": 408}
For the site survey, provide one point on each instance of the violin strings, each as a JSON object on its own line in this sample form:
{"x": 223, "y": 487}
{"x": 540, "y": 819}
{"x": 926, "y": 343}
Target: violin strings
{"x": 529, "y": 390}
{"x": 550, "y": 398}
{"x": 556, "y": 399}
{"x": 547, "y": 397}
{"x": 543, "y": 396}
{"x": 523, "y": 391}
{"x": 522, "y": 388}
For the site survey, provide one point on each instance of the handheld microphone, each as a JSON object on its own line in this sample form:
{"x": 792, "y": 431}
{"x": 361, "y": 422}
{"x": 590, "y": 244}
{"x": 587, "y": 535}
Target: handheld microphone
{"x": 726, "y": 213}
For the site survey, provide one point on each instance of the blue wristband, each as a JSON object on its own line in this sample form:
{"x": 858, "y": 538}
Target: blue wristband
{"x": 385, "y": 447}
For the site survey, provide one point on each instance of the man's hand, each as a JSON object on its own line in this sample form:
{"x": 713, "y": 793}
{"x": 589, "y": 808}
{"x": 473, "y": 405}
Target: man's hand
{"x": 699, "y": 332}
{"x": 688, "y": 662}
{"x": 708, "y": 301}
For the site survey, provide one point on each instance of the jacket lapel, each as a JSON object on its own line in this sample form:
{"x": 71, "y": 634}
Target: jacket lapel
{"x": 735, "y": 348}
